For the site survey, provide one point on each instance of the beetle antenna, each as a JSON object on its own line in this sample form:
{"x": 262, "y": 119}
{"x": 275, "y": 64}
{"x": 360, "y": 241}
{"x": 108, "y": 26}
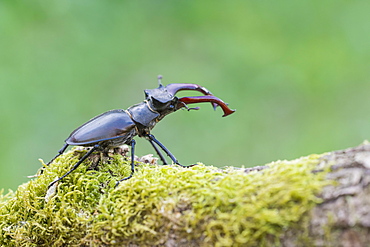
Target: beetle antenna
{"x": 160, "y": 80}
{"x": 188, "y": 109}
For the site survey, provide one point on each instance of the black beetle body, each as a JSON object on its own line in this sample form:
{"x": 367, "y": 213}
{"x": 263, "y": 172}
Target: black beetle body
{"x": 110, "y": 128}
{"x": 116, "y": 127}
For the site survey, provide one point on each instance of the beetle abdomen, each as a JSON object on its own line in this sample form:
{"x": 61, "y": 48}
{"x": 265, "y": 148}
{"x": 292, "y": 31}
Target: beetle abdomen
{"x": 107, "y": 126}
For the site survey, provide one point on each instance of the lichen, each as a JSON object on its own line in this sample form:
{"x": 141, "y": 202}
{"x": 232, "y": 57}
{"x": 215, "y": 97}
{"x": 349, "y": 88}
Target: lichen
{"x": 201, "y": 205}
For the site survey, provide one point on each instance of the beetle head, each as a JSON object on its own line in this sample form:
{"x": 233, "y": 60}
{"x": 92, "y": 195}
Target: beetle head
{"x": 164, "y": 101}
{"x": 161, "y": 100}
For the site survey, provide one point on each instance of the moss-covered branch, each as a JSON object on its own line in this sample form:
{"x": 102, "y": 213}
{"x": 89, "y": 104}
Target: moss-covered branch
{"x": 274, "y": 205}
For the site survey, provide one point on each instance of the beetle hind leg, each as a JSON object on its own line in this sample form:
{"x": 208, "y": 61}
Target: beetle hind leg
{"x": 60, "y": 152}
{"x": 76, "y": 165}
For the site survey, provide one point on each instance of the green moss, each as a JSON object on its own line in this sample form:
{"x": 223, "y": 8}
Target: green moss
{"x": 198, "y": 205}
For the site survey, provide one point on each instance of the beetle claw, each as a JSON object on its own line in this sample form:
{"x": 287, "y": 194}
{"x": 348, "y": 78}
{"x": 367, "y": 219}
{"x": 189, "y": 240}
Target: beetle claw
{"x": 173, "y": 88}
{"x": 207, "y": 98}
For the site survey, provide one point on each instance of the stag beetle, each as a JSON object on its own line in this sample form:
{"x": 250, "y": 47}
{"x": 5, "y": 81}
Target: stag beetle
{"x": 117, "y": 127}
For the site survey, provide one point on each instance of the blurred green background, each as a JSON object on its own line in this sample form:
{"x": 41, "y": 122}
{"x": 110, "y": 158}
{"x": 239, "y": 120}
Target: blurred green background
{"x": 296, "y": 71}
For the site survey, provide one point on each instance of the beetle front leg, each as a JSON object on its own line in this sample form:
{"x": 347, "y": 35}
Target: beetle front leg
{"x": 151, "y": 139}
{"x": 158, "y": 152}
{"x": 132, "y": 163}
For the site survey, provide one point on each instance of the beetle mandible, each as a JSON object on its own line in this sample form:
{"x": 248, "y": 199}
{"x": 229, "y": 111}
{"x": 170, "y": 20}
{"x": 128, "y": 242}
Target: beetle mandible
{"x": 117, "y": 127}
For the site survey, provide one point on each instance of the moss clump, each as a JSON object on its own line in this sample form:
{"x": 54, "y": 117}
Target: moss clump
{"x": 201, "y": 205}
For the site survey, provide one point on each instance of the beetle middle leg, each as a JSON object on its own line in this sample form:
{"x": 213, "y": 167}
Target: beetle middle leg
{"x": 132, "y": 162}
{"x": 153, "y": 140}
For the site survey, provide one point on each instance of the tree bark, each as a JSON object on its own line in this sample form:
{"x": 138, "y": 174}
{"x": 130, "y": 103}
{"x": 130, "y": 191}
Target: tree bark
{"x": 343, "y": 218}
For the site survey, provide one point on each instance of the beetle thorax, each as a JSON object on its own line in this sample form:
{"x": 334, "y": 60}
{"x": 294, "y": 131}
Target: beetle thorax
{"x": 143, "y": 115}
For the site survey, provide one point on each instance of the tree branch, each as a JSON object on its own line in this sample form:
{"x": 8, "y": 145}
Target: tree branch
{"x": 319, "y": 200}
